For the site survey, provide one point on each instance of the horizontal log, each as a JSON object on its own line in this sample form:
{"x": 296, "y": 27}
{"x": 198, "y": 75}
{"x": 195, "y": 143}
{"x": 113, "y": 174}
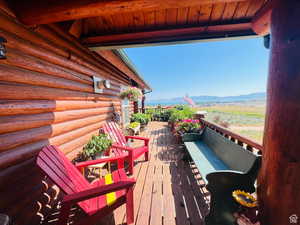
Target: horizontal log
{"x": 93, "y": 63}
{"x": 23, "y": 122}
{"x": 27, "y": 47}
{"x": 24, "y": 152}
{"x": 81, "y": 141}
{"x": 13, "y": 193}
{"x": 13, "y": 26}
{"x": 36, "y": 12}
{"x": 73, "y": 154}
{"x": 110, "y": 56}
{"x": 23, "y": 107}
{"x": 29, "y": 200}
{"x": 97, "y": 60}
{"x": 26, "y": 92}
{"x": 14, "y": 139}
{"x": 70, "y": 38}
{"x": 21, "y": 178}
{"x": 18, "y": 58}
{"x": 18, "y": 75}
{"x": 12, "y": 174}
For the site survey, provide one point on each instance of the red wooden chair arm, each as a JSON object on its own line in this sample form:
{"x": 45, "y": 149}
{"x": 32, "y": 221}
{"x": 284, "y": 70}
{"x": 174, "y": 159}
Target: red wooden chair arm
{"x": 97, "y": 191}
{"x": 126, "y": 148}
{"x": 97, "y": 161}
{"x": 146, "y": 140}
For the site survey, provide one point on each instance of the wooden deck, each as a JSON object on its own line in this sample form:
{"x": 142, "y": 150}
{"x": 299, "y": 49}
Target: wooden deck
{"x": 169, "y": 189}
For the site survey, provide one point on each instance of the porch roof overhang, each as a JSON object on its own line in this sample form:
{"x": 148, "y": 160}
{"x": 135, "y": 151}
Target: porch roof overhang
{"x": 111, "y": 24}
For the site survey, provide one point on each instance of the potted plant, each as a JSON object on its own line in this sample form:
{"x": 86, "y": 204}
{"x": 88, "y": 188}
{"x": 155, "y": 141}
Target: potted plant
{"x": 141, "y": 118}
{"x": 134, "y": 128}
{"x": 188, "y": 130}
{"x": 178, "y": 114}
{"x": 132, "y": 94}
{"x": 97, "y": 146}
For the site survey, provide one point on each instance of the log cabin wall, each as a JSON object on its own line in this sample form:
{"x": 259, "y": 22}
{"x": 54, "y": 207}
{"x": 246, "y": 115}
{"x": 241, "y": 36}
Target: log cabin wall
{"x": 46, "y": 97}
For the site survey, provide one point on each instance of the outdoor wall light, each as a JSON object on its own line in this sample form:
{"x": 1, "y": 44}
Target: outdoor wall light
{"x": 103, "y": 84}
{"x": 100, "y": 84}
{"x": 2, "y": 48}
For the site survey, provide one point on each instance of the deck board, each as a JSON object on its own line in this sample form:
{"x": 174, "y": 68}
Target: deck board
{"x": 168, "y": 190}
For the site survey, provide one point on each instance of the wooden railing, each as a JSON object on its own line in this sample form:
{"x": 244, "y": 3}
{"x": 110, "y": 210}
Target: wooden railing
{"x": 157, "y": 109}
{"x": 238, "y": 139}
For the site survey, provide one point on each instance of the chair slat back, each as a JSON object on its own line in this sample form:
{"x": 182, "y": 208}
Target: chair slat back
{"x": 115, "y": 133}
{"x": 62, "y": 172}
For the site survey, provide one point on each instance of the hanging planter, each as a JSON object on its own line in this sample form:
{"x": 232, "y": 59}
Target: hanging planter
{"x": 132, "y": 94}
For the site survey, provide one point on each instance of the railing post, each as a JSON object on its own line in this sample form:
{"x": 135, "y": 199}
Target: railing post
{"x": 249, "y": 147}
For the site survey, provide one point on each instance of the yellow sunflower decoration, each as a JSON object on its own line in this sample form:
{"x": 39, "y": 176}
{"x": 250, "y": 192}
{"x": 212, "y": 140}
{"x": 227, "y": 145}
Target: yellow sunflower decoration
{"x": 244, "y": 198}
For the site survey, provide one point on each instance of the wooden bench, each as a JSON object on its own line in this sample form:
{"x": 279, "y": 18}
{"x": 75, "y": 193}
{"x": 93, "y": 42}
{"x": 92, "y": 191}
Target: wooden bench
{"x": 224, "y": 166}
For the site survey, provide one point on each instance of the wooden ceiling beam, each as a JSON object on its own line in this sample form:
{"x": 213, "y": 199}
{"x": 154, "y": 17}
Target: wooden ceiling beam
{"x": 262, "y": 19}
{"x": 170, "y": 35}
{"x": 32, "y": 12}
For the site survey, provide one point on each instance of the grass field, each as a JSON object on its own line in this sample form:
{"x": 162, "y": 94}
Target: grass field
{"x": 246, "y": 120}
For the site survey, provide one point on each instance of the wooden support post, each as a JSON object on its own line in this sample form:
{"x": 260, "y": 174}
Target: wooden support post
{"x": 135, "y": 107}
{"x": 279, "y": 183}
{"x": 143, "y": 104}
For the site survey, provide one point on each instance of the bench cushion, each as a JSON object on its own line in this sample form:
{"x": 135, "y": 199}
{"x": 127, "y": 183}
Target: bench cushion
{"x": 205, "y": 159}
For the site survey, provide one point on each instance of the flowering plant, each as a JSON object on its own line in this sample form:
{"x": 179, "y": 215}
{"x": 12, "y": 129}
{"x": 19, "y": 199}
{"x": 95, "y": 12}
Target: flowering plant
{"x": 188, "y": 126}
{"x": 190, "y": 121}
{"x": 132, "y": 94}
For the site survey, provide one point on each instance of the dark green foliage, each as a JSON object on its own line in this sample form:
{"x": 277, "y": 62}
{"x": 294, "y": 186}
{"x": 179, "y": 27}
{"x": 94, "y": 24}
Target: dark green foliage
{"x": 180, "y": 113}
{"x": 97, "y": 145}
{"x": 188, "y": 127}
{"x": 141, "y": 118}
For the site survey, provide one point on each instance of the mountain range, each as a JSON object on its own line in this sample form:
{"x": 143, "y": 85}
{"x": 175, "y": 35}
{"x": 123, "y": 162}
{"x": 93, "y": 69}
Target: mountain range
{"x": 259, "y": 96}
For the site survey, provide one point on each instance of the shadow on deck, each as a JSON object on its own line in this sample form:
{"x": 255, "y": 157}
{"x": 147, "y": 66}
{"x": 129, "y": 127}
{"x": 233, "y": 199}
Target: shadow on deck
{"x": 169, "y": 189}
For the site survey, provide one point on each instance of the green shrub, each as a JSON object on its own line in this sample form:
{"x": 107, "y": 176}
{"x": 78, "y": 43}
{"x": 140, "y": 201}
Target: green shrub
{"x": 188, "y": 126}
{"x": 97, "y": 145}
{"x": 150, "y": 112}
{"x": 180, "y": 113}
{"x": 142, "y": 118}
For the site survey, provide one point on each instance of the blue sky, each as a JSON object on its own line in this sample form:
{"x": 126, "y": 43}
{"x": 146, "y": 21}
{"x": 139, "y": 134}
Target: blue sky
{"x": 208, "y": 68}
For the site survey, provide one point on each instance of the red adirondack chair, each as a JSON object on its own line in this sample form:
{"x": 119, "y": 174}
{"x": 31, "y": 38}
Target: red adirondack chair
{"x": 96, "y": 199}
{"x": 120, "y": 147}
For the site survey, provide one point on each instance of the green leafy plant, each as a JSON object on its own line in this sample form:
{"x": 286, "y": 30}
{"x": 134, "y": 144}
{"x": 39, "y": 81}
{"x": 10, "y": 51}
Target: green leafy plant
{"x": 150, "y": 112}
{"x": 180, "y": 113}
{"x": 141, "y": 118}
{"x": 132, "y": 94}
{"x": 97, "y": 145}
{"x": 188, "y": 126}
